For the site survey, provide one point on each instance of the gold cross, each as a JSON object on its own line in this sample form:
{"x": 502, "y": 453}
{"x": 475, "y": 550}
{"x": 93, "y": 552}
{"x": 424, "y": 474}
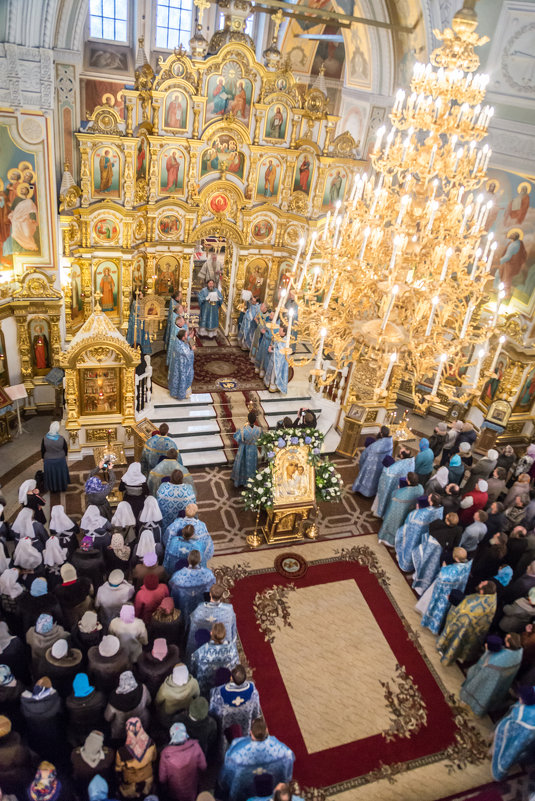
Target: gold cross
{"x": 277, "y": 22}
{"x": 97, "y": 297}
{"x": 202, "y": 5}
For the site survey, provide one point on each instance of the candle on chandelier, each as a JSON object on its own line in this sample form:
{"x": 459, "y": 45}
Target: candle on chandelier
{"x": 404, "y": 203}
{"x": 501, "y": 296}
{"x": 480, "y": 357}
{"x": 467, "y": 318}
{"x": 490, "y": 237}
{"x": 283, "y": 294}
{"x": 434, "y": 207}
{"x": 391, "y": 363}
{"x": 435, "y": 187}
{"x": 485, "y": 213}
{"x": 501, "y": 342}
{"x": 389, "y": 139}
{"x": 316, "y": 272}
{"x": 490, "y": 259}
{"x": 311, "y": 248}
{"x": 458, "y": 155}
{"x": 436, "y": 382}
{"x": 300, "y": 247}
{"x": 395, "y": 290}
{"x": 329, "y": 294}
{"x": 434, "y": 304}
{"x": 479, "y": 201}
{"x": 477, "y": 256}
{"x": 467, "y": 213}
{"x": 379, "y": 138}
{"x": 367, "y": 232}
{"x": 323, "y": 334}
{"x": 326, "y": 227}
{"x": 447, "y": 257}
{"x": 289, "y": 329}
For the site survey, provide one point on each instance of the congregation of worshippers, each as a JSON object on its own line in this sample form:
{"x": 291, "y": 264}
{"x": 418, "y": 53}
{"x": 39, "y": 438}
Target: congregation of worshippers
{"x": 120, "y": 674}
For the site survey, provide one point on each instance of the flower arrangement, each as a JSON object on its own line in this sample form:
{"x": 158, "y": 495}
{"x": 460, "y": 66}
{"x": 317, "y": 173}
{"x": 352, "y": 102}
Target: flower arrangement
{"x": 259, "y": 491}
{"x": 328, "y": 482}
{"x": 272, "y": 441}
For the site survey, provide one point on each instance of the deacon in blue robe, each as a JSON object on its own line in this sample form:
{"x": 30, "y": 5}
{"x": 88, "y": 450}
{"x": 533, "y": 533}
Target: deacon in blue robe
{"x": 181, "y": 368}
{"x": 177, "y": 525}
{"x": 173, "y": 499}
{"x": 175, "y": 310}
{"x": 410, "y": 534}
{"x": 261, "y": 320}
{"x": 136, "y": 333}
{"x": 514, "y": 736}
{"x": 262, "y": 353}
{"x": 155, "y": 448}
{"x": 247, "y": 758}
{"x": 188, "y": 585}
{"x": 467, "y": 625}
{"x": 211, "y": 656}
{"x": 371, "y": 464}
{"x": 179, "y": 548}
{"x": 451, "y": 577}
{"x": 209, "y": 316}
{"x": 488, "y": 682}
{"x": 246, "y": 461}
{"x": 235, "y": 704}
{"x": 208, "y": 613}
{"x": 402, "y": 502}
{"x": 276, "y": 376}
{"x": 180, "y": 324}
{"x": 426, "y": 558}
{"x": 389, "y": 482}
{"x": 246, "y": 335}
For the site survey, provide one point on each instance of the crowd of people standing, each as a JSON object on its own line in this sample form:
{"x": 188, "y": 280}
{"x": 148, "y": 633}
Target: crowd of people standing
{"x": 463, "y": 530}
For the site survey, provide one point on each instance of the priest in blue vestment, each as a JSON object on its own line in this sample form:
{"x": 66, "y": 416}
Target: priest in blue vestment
{"x": 371, "y": 463}
{"x": 410, "y": 534}
{"x": 451, "y": 577}
{"x": 236, "y": 703}
{"x": 156, "y": 448}
{"x": 210, "y": 299}
{"x": 209, "y": 612}
{"x": 188, "y": 585}
{"x": 181, "y": 368}
{"x": 262, "y": 353}
{"x": 219, "y": 652}
{"x": 173, "y": 497}
{"x": 488, "y": 682}
{"x": 276, "y": 375}
{"x": 389, "y": 480}
{"x": 180, "y": 324}
{"x": 514, "y": 736}
{"x": 246, "y": 461}
{"x": 426, "y": 558}
{"x": 179, "y": 547}
{"x": 175, "y": 310}
{"x": 261, "y": 320}
{"x": 401, "y": 503}
{"x": 245, "y": 335}
{"x": 467, "y": 625}
{"x": 248, "y": 757}
{"x": 190, "y": 519}
{"x": 136, "y": 333}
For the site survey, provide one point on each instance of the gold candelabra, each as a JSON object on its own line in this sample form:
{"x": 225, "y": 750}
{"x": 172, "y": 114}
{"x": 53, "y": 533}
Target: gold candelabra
{"x": 397, "y": 282}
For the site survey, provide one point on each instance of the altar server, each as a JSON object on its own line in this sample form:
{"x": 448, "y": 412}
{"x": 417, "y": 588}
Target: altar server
{"x": 181, "y": 367}
{"x": 210, "y": 299}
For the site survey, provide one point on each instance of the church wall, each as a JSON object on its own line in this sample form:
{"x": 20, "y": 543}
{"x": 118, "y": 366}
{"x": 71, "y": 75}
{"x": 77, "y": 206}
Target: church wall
{"x": 9, "y": 330}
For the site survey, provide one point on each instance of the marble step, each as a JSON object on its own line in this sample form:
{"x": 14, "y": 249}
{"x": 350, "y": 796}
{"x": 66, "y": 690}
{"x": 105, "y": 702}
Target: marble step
{"x": 209, "y": 442}
{"x": 287, "y": 407}
{"x": 203, "y": 458}
{"x": 167, "y": 415}
{"x": 164, "y": 400}
{"x": 194, "y": 428}
{"x": 274, "y": 397}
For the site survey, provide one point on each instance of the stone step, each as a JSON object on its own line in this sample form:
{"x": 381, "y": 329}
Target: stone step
{"x": 204, "y": 458}
{"x": 198, "y": 443}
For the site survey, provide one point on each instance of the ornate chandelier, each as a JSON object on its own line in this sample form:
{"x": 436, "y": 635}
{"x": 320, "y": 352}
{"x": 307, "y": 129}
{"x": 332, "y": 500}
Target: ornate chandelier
{"x": 397, "y": 281}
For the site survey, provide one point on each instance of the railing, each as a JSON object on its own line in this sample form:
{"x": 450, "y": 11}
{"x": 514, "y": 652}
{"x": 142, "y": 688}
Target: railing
{"x": 144, "y": 386}
{"x": 335, "y": 390}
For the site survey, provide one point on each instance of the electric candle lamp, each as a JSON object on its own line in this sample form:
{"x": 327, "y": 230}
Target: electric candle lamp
{"x": 501, "y": 342}
{"x": 434, "y": 304}
{"x": 379, "y": 137}
{"x": 289, "y": 329}
{"x": 480, "y": 357}
{"x": 367, "y": 232}
{"x": 436, "y": 382}
{"x": 493, "y": 248}
{"x": 467, "y": 318}
{"x": 490, "y": 237}
{"x": 283, "y": 294}
{"x": 391, "y": 363}
{"x": 395, "y": 290}
{"x": 302, "y": 245}
{"x": 448, "y": 256}
{"x": 323, "y": 334}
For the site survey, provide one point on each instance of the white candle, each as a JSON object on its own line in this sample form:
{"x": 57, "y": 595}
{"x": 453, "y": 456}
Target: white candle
{"x": 301, "y": 277}
{"x": 323, "y": 334}
{"x": 448, "y": 256}
{"x": 436, "y": 382}
{"x": 403, "y": 206}
{"x": 367, "y": 232}
{"x": 329, "y": 294}
{"x": 480, "y": 356}
{"x": 479, "y": 201}
{"x": 389, "y": 139}
{"x": 477, "y": 256}
{"x": 379, "y": 137}
{"x": 467, "y": 213}
{"x": 336, "y": 229}
{"x": 395, "y": 290}
{"x": 299, "y": 250}
{"x": 279, "y": 307}
{"x": 501, "y": 296}
{"x": 432, "y": 157}
{"x": 310, "y": 249}
{"x": 497, "y": 354}
{"x": 389, "y": 369}
{"x": 458, "y": 155}
{"x": 491, "y": 256}
{"x": 315, "y": 273}
{"x": 435, "y": 187}
{"x": 490, "y": 237}
{"x": 434, "y": 304}
{"x": 434, "y": 208}
{"x": 289, "y": 329}
{"x": 467, "y": 318}
{"x": 485, "y": 214}
{"x": 326, "y": 227}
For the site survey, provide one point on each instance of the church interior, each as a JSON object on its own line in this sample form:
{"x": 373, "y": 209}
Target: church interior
{"x": 267, "y": 400}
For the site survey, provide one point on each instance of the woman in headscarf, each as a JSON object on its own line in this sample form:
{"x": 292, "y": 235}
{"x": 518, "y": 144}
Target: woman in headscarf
{"x": 85, "y": 709}
{"x": 124, "y": 520}
{"x": 10, "y": 592}
{"x": 62, "y": 663}
{"x": 129, "y": 699}
{"x": 46, "y": 786}
{"x": 13, "y": 653}
{"x": 64, "y": 529}
{"x": 29, "y": 496}
{"x": 91, "y": 759}
{"x": 89, "y": 561}
{"x": 53, "y": 558}
{"x": 16, "y": 768}
{"x": 151, "y": 517}
{"x": 524, "y": 464}
{"x": 147, "y": 544}
{"x": 94, "y": 525}
{"x": 507, "y": 459}
{"x": 402, "y": 502}
{"x": 180, "y": 765}
{"x": 423, "y": 464}
{"x": 98, "y": 487}
{"x": 520, "y": 488}
{"x": 134, "y": 761}
{"x": 54, "y": 454}
{"x": 439, "y": 482}
{"x": 39, "y": 601}
{"x": 40, "y": 638}
{"x": 42, "y": 711}
{"x": 25, "y": 525}
{"x": 10, "y": 691}
{"x": 28, "y": 558}
{"x": 173, "y": 497}
{"x": 117, "y": 554}
{"x": 134, "y": 487}
{"x": 455, "y": 470}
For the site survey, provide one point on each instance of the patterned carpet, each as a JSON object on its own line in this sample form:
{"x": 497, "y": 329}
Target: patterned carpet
{"x": 218, "y": 368}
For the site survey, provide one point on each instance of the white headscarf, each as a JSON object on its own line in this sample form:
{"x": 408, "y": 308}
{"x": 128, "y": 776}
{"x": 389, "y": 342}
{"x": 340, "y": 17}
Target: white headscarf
{"x": 59, "y": 522}
{"x": 146, "y": 544}
{"x": 4, "y": 561}
{"x": 26, "y": 556}
{"x": 9, "y": 583}
{"x": 133, "y": 476}
{"x": 54, "y": 428}
{"x": 123, "y": 516}
{"x": 25, "y": 488}
{"x": 441, "y": 476}
{"x": 54, "y": 555}
{"x": 92, "y": 519}
{"x": 151, "y": 512}
{"x": 23, "y": 525}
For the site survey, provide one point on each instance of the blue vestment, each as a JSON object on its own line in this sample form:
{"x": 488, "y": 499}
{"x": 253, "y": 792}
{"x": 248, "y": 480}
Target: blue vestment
{"x": 261, "y": 321}
{"x": 245, "y": 336}
{"x": 209, "y": 316}
{"x": 450, "y": 577}
{"x": 172, "y": 499}
{"x": 154, "y": 450}
{"x": 173, "y": 342}
{"x": 402, "y": 502}
{"x": 276, "y": 376}
{"x": 466, "y": 627}
{"x": 179, "y": 548}
{"x": 426, "y": 558}
{"x": 235, "y": 704}
{"x": 188, "y": 585}
{"x": 248, "y": 758}
{"x": 136, "y": 333}
{"x": 181, "y": 370}
{"x": 371, "y": 465}
{"x": 488, "y": 682}
{"x": 204, "y": 617}
{"x": 246, "y": 461}
{"x": 389, "y": 481}
{"x": 177, "y": 526}
{"x": 263, "y": 354}
{"x": 514, "y": 738}
{"x": 164, "y": 470}
{"x": 207, "y": 659}
{"x": 410, "y": 534}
